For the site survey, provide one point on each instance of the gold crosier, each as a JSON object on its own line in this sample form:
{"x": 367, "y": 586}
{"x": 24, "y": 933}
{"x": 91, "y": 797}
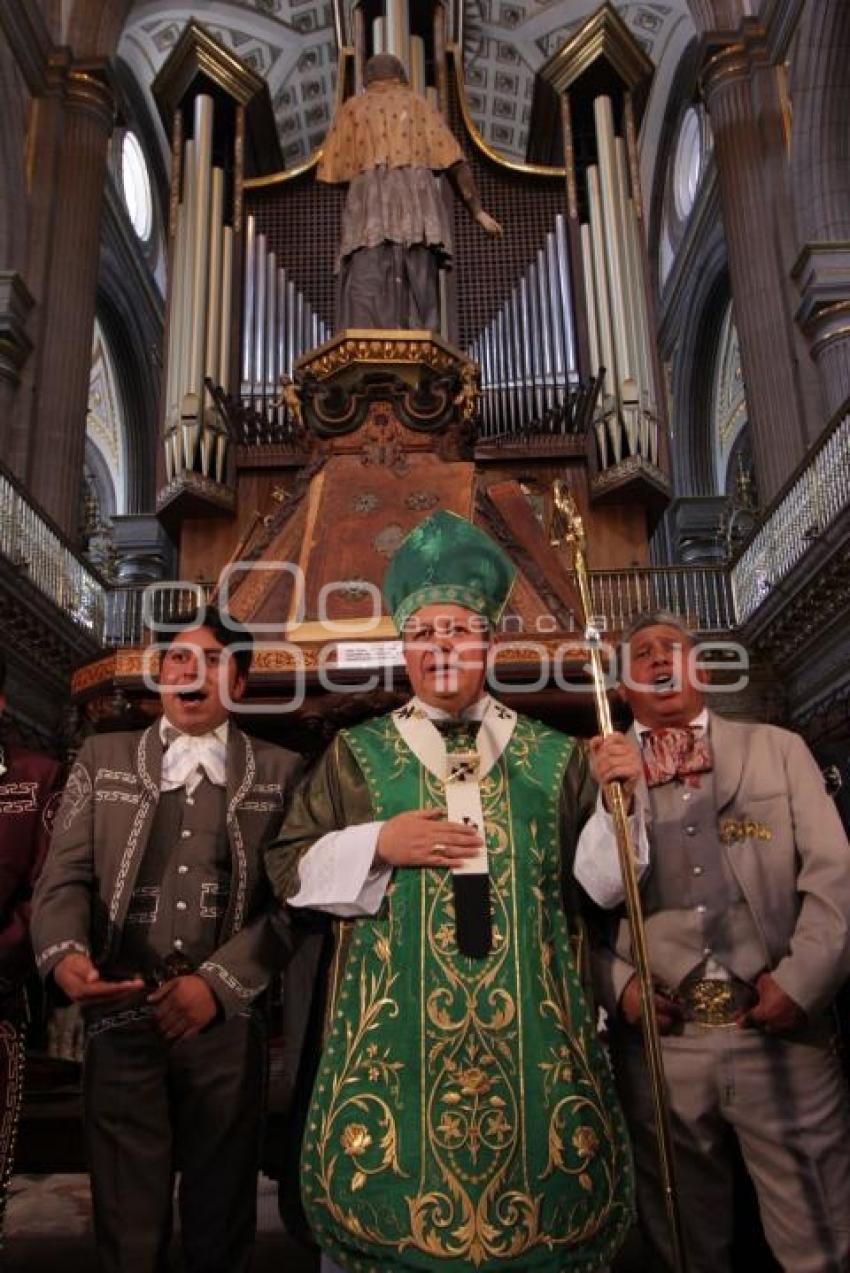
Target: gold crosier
{"x": 567, "y": 528}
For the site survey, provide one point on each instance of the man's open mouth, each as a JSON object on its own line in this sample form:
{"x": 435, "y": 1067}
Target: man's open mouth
{"x": 191, "y": 696}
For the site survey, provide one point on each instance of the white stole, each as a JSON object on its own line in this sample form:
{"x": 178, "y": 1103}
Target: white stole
{"x": 460, "y": 772}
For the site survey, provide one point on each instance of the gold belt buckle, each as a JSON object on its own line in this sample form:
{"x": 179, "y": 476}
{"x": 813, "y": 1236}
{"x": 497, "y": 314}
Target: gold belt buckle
{"x": 711, "y": 1002}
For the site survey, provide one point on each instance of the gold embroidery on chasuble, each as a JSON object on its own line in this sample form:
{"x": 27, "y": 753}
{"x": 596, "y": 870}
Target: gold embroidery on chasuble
{"x": 464, "y": 1114}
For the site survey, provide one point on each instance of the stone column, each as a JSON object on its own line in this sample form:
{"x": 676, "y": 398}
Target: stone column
{"x": 742, "y": 96}
{"x": 68, "y": 300}
{"x": 819, "y": 180}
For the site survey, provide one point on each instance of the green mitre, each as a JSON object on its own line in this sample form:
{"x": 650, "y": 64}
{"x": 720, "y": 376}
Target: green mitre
{"x": 446, "y": 558}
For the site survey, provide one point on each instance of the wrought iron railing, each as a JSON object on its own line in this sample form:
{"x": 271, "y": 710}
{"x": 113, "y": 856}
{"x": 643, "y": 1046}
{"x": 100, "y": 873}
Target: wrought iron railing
{"x": 700, "y": 594}
{"x": 139, "y": 613}
{"x": 40, "y": 553}
{"x": 809, "y": 504}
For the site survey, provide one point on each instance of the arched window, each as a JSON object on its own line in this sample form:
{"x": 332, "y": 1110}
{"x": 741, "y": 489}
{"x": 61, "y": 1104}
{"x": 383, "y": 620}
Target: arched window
{"x": 136, "y": 186}
{"x": 686, "y": 168}
{"x": 687, "y": 163}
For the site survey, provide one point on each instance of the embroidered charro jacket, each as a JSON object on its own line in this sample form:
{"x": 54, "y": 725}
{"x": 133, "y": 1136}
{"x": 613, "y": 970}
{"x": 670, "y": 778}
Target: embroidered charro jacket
{"x": 751, "y": 868}
{"x": 87, "y": 898}
{"x": 29, "y": 794}
{"x": 463, "y": 1114}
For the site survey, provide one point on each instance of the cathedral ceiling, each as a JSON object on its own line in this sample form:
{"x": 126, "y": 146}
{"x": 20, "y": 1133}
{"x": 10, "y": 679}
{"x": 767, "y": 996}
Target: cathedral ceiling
{"x": 292, "y": 44}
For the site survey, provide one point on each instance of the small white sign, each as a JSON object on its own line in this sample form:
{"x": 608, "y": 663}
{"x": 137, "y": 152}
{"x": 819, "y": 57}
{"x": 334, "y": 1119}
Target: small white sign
{"x": 369, "y": 654}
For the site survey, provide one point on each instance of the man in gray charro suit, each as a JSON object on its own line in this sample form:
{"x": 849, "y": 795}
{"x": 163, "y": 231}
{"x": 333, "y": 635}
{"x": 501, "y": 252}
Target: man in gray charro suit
{"x": 747, "y": 904}
{"x": 153, "y": 913}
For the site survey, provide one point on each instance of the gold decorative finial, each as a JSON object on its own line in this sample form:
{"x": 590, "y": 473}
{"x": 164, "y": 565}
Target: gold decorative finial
{"x": 468, "y": 391}
{"x": 289, "y": 398}
{"x": 566, "y": 525}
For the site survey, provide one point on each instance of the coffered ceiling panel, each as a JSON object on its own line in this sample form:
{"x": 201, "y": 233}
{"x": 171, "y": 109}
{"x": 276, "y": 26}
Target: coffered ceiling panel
{"x": 292, "y": 43}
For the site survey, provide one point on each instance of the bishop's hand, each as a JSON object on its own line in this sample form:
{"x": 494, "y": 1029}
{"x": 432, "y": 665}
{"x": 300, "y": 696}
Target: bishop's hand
{"x": 424, "y": 838}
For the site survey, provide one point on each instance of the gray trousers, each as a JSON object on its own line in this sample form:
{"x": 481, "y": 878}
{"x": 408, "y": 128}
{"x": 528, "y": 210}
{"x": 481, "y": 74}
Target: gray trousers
{"x": 787, "y": 1104}
{"x": 390, "y": 286}
{"x": 153, "y": 1109}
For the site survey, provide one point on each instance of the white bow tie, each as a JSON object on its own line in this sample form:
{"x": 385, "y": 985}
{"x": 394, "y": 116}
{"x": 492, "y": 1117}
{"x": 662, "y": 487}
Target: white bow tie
{"x": 187, "y": 755}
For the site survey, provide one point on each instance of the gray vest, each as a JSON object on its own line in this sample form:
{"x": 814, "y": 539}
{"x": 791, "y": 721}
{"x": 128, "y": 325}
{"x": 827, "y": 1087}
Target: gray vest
{"x": 183, "y": 886}
{"x": 694, "y": 907}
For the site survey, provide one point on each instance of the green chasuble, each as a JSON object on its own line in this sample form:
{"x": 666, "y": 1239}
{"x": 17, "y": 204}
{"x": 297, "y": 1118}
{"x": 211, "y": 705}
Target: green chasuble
{"x": 463, "y": 1115}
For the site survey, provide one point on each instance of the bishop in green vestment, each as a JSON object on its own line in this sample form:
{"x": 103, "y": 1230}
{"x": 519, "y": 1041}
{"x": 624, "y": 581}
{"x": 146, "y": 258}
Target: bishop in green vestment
{"x": 463, "y": 1114}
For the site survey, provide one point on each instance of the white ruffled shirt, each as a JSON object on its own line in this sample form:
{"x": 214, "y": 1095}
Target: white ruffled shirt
{"x": 187, "y": 757}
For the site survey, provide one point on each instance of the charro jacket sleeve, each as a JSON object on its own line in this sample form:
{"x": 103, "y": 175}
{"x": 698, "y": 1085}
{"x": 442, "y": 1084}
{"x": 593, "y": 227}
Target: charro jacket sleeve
{"x": 62, "y": 901}
{"x": 242, "y": 967}
{"x": 818, "y": 959}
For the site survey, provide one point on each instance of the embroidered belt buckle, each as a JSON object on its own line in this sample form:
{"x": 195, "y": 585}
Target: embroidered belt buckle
{"x": 715, "y": 1002}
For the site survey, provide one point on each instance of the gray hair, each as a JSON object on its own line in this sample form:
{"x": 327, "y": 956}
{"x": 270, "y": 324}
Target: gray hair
{"x": 650, "y": 619}
{"x": 654, "y": 618}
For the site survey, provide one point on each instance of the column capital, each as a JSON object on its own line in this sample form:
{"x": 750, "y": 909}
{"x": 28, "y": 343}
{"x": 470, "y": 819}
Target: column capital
{"x": 822, "y": 273}
{"x": 728, "y": 57}
{"x": 83, "y": 86}
{"x": 88, "y": 91}
{"x": 15, "y": 344}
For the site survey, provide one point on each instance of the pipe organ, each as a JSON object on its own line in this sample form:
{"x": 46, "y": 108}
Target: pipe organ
{"x": 527, "y": 353}
{"x": 199, "y": 305}
{"x": 288, "y": 441}
{"x": 556, "y": 317}
{"x": 278, "y": 325}
{"x": 626, "y": 419}
{"x": 211, "y": 306}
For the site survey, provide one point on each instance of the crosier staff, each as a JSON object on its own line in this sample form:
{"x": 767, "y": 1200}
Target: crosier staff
{"x": 567, "y": 528}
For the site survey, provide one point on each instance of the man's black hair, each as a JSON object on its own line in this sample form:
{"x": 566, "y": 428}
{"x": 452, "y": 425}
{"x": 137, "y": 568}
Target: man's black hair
{"x": 226, "y": 631}
{"x": 2, "y": 671}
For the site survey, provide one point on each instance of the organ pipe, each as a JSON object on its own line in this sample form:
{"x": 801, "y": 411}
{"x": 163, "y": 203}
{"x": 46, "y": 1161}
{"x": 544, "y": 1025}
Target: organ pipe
{"x": 626, "y": 423}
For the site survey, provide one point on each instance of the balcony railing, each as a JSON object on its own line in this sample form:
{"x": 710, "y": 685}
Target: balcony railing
{"x": 39, "y": 552}
{"x": 701, "y": 594}
{"x": 809, "y": 505}
{"x": 136, "y": 613}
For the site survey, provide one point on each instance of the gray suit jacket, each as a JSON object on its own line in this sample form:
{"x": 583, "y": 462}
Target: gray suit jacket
{"x": 796, "y": 882}
{"x": 99, "y": 839}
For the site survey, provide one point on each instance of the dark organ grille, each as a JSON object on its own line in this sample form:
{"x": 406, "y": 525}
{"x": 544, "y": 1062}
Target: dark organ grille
{"x": 301, "y": 220}
{"x": 486, "y": 269}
